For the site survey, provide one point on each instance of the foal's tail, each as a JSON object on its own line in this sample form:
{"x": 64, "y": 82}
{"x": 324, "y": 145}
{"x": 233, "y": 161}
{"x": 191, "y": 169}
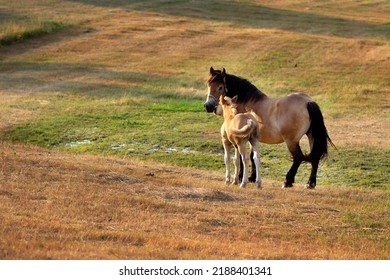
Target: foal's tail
{"x": 318, "y": 132}
{"x": 245, "y": 130}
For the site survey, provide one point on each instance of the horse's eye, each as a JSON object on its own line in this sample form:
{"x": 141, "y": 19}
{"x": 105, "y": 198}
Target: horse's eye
{"x": 220, "y": 88}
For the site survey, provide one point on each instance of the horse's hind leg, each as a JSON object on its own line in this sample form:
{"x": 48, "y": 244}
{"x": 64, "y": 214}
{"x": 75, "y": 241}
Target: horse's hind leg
{"x": 298, "y": 157}
{"x": 311, "y": 184}
{"x": 313, "y": 175}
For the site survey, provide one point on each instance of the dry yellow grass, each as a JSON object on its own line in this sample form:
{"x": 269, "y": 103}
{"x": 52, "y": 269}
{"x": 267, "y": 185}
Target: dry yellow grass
{"x": 366, "y": 10}
{"x": 60, "y": 206}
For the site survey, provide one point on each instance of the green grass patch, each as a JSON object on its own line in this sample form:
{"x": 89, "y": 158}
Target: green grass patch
{"x": 16, "y": 31}
{"x": 180, "y": 132}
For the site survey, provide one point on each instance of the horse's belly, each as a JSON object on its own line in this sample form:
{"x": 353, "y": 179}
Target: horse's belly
{"x": 270, "y": 136}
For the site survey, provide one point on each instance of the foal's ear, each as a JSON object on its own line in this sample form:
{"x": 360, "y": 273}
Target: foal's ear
{"x": 211, "y": 70}
{"x": 234, "y": 99}
{"x": 228, "y": 100}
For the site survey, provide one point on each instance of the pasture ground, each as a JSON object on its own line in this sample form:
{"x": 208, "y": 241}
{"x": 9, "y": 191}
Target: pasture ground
{"x": 61, "y": 206}
{"x": 107, "y": 153}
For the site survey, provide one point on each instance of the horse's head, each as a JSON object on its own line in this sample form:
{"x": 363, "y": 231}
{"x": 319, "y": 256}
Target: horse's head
{"x": 217, "y": 87}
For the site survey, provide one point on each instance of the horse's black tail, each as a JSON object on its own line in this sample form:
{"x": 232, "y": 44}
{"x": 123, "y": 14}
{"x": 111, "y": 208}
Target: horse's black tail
{"x": 319, "y": 133}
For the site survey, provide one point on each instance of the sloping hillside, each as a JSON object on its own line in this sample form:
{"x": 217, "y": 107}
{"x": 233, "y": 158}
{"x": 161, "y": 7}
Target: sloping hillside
{"x": 106, "y": 151}
{"x": 59, "y": 206}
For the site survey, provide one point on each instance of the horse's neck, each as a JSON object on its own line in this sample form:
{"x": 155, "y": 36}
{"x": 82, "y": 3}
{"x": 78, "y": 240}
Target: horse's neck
{"x": 234, "y": 84}
{"x": 262, "y": 102}
{"x": 237, "y": 86}
{"x": 261, "y": 107}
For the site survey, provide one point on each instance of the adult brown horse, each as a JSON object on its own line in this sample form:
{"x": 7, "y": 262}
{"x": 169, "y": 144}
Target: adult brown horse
{"x": 284, "y": 119}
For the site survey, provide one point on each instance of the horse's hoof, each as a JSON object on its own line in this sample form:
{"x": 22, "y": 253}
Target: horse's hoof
{"x": 287, "y": 185}
{"x": 310, "y": 186}
{"x": 258, "y": 185}
{"x": 242, "y": 185}
{"x": 252, "y": 179}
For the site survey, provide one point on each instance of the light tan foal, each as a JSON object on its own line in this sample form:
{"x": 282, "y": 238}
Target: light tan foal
{"x": 237, "y": 130}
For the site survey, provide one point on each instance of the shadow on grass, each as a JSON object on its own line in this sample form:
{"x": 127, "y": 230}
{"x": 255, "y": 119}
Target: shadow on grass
{"x": 256, "y": 16}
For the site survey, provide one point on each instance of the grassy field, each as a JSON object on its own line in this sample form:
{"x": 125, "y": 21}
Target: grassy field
{"x": 102, "y": 101}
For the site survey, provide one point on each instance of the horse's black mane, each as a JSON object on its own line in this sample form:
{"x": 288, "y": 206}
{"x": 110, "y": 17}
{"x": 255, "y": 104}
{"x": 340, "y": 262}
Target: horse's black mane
{"x": 244, "y": 89}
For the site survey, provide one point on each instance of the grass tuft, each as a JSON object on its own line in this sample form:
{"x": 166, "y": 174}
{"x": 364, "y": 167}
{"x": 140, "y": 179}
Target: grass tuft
{"x": 15, "y": 31}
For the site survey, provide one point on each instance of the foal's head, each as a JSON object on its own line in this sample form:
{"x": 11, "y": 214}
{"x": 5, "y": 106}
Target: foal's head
{"x": 217, "y": 87}
{"x": 229, "y": 105}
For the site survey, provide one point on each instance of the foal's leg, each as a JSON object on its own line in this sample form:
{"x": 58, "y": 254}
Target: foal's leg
{"x": 298, "y": 157}
{"x": 241, "y": 170}
{"x": 227, "y": 146}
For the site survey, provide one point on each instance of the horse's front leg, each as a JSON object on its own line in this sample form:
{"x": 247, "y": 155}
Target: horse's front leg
{"x": 256, "y": 159}
{"x": 241, "y": 170}
{"x": 237, "y": 161}
{"x": 244, "y": 157}
{"x": 253, "y": 176}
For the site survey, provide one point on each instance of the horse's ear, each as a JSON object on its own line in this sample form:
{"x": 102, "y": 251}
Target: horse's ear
{"x": 223, "y": 72}
{"x": 234, "y": 99}
{"x": 211, "y": 70}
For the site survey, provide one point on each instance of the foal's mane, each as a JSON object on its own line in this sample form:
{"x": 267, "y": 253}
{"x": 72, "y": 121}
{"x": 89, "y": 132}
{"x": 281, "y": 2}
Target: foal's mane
{"x": 235, "y": 85}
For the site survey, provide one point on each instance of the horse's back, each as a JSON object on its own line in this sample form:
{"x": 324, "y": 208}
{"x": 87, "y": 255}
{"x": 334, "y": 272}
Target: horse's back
{"x": 297, "y": 98}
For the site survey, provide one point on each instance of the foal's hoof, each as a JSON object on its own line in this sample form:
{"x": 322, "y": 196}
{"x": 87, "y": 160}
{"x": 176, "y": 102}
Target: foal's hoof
{"x": 310, "y": 186}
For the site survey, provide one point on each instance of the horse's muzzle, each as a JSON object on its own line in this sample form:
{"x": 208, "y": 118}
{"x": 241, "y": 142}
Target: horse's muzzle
{"x": 210, "y": 106}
